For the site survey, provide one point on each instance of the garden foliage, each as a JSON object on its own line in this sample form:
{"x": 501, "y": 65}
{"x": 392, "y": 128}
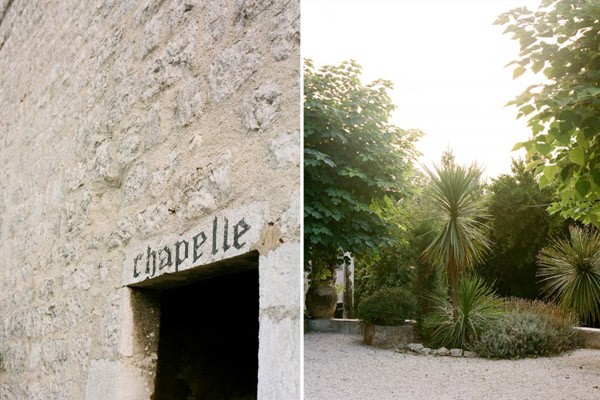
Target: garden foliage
{"x": 353, "y": 158}
{"x": 388, "y": 306}
{"x": 478, "y": 309}
{"x": 570, "y": 271}
{"x": 462, "y": 240}
{"x": 561, "y": 40}
{"x": 530, "y": 329}
{"x": 519, "y": 228}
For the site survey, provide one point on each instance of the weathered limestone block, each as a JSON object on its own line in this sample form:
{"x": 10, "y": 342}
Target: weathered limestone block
{"x": 285, "y": 36}
{"x": 279, "y": 352}
{"x": 388, "y": 337}
{"x": 285, "y": 150}
{"x": 182, "y": 11}
{"x": 261, "y": 108}
{"x": 214, "y": 21}
{"x": 153, "y": 135}
{"x": 151, "y": 35}
{"x": 456, "y": 352}
{"x": 128, "y": 144}
{"x": 110, "y": 325}
{"x": 136, "y": 183}
{"x": 205, "y": 189}
{"x": 188, "y": 102}
{"x": 122, "y": 232}
{"x": 232, "y": 67}
{"x": 247, "y": 10}
{"x": 102, "y": 379}
{"x": 181, "y": 49}
{"x": 157, "y": 76}
{"x": 152, "y": 219}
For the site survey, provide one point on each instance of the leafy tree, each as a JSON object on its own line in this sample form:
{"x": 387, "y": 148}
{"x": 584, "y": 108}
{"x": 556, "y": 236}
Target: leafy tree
{"x": 462, "y": 239}
{"x": 570, "y": 271}
{"x": 354, "y": 158}
{"x": 561, "y": 40}
{"x": 399, "y": 265}
{"x": 519, "y": 228}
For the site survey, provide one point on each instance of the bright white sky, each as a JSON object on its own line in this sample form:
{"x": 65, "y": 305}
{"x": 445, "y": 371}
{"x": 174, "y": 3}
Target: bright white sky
{"x": 446, "y": 61}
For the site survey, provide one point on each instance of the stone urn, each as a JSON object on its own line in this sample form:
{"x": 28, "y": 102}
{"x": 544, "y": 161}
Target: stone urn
{"x": 321, "y": 301}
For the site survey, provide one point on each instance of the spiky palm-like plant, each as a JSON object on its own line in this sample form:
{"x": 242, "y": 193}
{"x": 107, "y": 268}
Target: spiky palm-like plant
{"x": 570, "y": 271}
{"x": 462, "y": 241}
{"x": 478, "y": 307}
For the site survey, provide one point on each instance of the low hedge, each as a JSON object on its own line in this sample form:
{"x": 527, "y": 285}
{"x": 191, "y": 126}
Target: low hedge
{"x": 387, "y": 306}
{"x": 530, "y": 329}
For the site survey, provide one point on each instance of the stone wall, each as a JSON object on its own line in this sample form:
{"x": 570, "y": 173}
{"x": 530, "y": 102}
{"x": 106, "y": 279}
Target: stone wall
{"x": 122, "y": 123}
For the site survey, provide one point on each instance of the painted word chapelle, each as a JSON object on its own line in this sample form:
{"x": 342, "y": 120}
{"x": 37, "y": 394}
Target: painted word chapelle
{"x": 189, "y": 250}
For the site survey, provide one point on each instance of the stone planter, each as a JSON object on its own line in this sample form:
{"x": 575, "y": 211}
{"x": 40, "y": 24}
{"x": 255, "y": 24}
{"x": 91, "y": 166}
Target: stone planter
{"x": 388, "y": 337}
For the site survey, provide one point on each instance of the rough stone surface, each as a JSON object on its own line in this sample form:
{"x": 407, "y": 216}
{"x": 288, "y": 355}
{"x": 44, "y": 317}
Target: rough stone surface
{"x": 591, "y": 337}
{"x": 442, "y": 351}
{"x": 388, "y": 337}
{"x": 123, "y": 123}
{"x": 416, "y": 347}
{"x": 347, "y": 326}
{"x": 456, "y": 352}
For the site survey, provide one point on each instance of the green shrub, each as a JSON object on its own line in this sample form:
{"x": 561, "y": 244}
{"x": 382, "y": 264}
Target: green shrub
{"x": 478, "y": 308}
{"x": 530, "y": 329}
{"x": 570, "y": 272}
{"x": 387, "y": 306}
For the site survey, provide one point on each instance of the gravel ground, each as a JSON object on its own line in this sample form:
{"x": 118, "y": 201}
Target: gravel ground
{"x": 338, "y": 366}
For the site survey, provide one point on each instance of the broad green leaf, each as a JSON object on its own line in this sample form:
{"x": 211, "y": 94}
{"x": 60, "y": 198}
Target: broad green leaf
{"x": 531, "y": 165}
{"x": 527, "y": 109}
{"x": 595, "y": 176}
{"x": 550, "y": 171}
{"x": 544, "y": 181}
{"x": 549, "y": 72}
{"x": 518, "y": 72}
{"x": 537, "y": 66}
{"x": 518, "y": 146}
{"x": 577, "y": 156}
{"x": 543, "y": 148}
{"x": 583, "y": 187}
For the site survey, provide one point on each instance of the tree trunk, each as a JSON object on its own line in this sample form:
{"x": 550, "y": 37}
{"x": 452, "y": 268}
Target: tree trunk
{"x": 453, "y": 275}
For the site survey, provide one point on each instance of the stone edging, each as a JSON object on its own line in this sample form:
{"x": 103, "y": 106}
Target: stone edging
{"x": 418, "y": 348}
{"x": 591, "y": 337}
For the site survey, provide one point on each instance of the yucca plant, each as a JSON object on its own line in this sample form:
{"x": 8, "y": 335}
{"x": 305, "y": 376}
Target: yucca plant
{"x": 570, "y": 272}
{"x": 478, "y": 308}
{"x": 462, "y": 240}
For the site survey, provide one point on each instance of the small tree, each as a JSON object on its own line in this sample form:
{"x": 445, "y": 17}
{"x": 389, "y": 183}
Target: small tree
{"x": 461, "y": 241}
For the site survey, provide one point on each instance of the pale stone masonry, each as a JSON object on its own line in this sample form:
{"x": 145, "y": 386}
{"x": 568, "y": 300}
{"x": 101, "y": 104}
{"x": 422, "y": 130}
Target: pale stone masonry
{"x": 144, "y": 145}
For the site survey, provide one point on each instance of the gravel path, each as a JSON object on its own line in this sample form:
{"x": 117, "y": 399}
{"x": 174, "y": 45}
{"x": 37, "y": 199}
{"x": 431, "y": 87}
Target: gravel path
{"x": 338, "y": 366}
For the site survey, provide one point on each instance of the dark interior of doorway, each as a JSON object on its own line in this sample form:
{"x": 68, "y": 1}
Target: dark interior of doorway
{"x": 208, "y": 346}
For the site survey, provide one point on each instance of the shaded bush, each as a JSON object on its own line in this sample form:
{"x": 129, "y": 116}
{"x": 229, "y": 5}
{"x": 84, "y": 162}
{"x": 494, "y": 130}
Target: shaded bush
{"x": 530, "y": 329}
{"x": 478, "y": 308}
{"x": 387, "y": 306}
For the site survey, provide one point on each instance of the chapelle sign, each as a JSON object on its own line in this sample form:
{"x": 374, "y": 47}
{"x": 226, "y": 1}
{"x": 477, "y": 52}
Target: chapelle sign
{"x": 222, "y": 237}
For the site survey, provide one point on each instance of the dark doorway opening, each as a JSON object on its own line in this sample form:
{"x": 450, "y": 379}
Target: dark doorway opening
{"x": 208, "y": 346}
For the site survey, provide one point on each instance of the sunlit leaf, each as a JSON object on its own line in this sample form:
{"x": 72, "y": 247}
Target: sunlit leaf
{"x": 520, "y": 70}
{"x": 577, "y": 156}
